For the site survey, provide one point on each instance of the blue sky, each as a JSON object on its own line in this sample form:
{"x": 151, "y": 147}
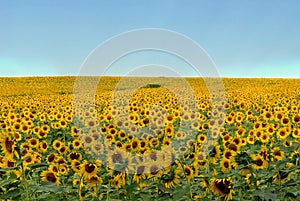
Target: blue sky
{"x": 257, "y": 38}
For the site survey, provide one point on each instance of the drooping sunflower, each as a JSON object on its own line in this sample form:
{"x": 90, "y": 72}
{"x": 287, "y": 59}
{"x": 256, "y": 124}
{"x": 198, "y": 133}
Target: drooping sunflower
{"x": 50, "y": 176}
{"x": 188, "y": 172}
{"x": 94, "y": 180}
{"x": 282, "y": 175}
{"x": 172, "y": 178}
{"x": 75, "y": 165}
{"x": 74, "y": 156}
{"x": 8, "y": 145}
{"x": 277, "y": 154}
{"x": 222, "y": 188}
{"x": 118, "y": 180}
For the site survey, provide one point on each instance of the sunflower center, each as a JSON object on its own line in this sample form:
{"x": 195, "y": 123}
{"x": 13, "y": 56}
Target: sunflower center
{"x": 51, "y": 177}
{"x": 223, "y": 186}
{"x": 140, "y": 170}
{"x": 89, "y": 168}
{"x": 153, "y": 156}
{"x": 117, "y": 158}
{"x": 74, "y": 156}
{"x": 259, "y": 162}
{"x": 283, "y": 174}
{"x": 154, "y": 169}
{"x": 134, "y": 144}
{"x": 10, "y": 164}
{"x": 232, "y": 147}
{"x": 51, "y": 157}
{"x": 9, "y": 145}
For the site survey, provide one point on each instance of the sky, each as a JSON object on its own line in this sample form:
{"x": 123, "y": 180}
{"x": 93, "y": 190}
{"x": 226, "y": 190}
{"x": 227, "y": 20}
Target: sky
{"x": 244, "y": 38}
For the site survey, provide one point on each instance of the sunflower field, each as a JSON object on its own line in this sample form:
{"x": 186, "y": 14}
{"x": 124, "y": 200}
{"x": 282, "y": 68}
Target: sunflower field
{"x": 148, "y": 142}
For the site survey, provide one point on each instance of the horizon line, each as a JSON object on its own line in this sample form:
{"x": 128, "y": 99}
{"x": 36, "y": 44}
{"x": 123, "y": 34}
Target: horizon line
{"x": 141, "y": 76}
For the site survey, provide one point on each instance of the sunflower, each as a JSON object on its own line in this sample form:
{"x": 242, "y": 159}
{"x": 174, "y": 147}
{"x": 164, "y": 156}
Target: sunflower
{"x": 285, "y": 121}
{"x": 74, "y": 156}
{"x": 282, "y": 133}
{"x": 222, "y": 188}
{"x": 264, "y": 137}
{"x": 17, "y": 136}
{"x": 229, "y": 154}
{"x": 225, "y": 165}
{"x": 89, "y": 169}
{"x": 76, "y": 144}
{"x": 57, "y": 144}
{"x": 97, "y": 148}
{"x": 75, "y": 165}
{"x": 296, "y": 133}
{"x": 250, "y": 139}
{"x": 154, "y": 142}
{"x": 7, "y": 162}
{"x": 172, "y": 178}
{"x": 63, "y": 149}
{"x": 154, "y": 170}
{"x": 139, "y": 173}
{"x": 277, "y": 154}
{"x": 296, "y": 119}
{"x": 282, "y": 175}
{"x": 94, "y": 180}
{"x": 43, "y": 146}
{"x": 74, "y": 131}
{"x": 119, "y": 160}
{"x": 201, "y": 138}
{"x": 259, "y": 162}
{"x": 188, "y": 173}
{"x": 118, "y": 180}
{"x": 87, "y": 140}
{"x": 50, "y": 176}
{"x": 51, "y": 158}
{"x": 8, "y": 145}
{"x": 63, "y": 169}
{"x": 34, "y": 143}
{"x": 233, "y": 146}
{"x": 54, "y": 168}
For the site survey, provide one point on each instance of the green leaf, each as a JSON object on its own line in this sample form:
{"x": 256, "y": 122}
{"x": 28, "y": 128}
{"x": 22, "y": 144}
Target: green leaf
{"x": 48, "y": 186}
{"x": 38, "y": 165}
{"x": 12, "y": 178}
{"x": 180, "y": 191}
{"x": 11, "y": 194}
{"x": 265, "y": 195}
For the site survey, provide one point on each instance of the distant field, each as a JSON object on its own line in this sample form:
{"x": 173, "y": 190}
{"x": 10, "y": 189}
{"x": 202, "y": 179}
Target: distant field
{"x": 67, "y": 138}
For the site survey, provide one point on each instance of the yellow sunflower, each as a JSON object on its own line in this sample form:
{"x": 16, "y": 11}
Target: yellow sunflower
{"x": 50, "y": 176}
{"x": 89, "y": 169}
{"x": 8, "y": 145}
{"x": 259, "y": 162}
